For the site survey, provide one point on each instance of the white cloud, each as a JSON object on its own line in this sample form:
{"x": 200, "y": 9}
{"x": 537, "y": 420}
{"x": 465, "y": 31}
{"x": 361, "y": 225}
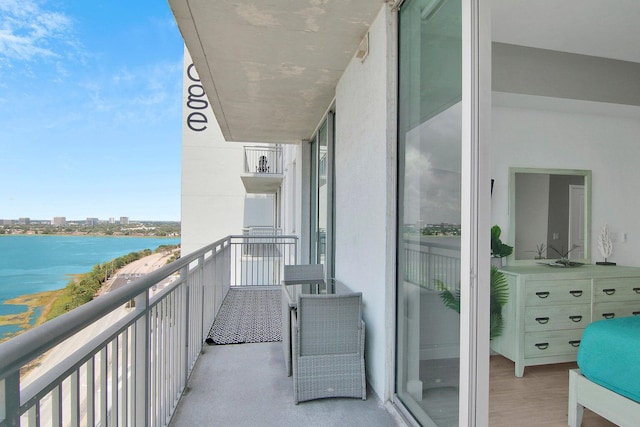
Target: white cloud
{"x": 28, "y": 32}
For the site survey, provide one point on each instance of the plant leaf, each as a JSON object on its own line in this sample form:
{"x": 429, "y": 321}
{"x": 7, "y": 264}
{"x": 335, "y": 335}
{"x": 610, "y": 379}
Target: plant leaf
{"x": 450, "y": 300}
{"x": 496, "y": 325}
{"x": 499, "y": 288}
{"x": 499, "y": 249}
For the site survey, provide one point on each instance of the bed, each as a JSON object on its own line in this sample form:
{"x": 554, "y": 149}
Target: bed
{"x": 608, "y": 379}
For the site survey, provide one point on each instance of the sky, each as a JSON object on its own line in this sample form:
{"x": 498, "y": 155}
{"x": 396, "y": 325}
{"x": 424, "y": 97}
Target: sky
{"x": 90, "y": 109}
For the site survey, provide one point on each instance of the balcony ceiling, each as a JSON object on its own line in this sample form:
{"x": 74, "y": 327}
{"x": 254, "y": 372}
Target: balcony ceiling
{"x": 270, "y": 68}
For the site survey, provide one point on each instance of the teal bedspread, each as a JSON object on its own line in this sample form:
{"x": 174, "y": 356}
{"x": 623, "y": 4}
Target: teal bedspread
{"x": 609, "y": 355}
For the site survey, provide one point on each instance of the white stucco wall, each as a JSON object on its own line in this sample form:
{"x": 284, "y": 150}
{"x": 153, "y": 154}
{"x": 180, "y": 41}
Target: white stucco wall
{"x": 290, "y": 197}
{"x": 212, "y": 192}
{"x": 570, "y": 134}
{"x": 362, "y": 200}
{"x": 259, "y": 210}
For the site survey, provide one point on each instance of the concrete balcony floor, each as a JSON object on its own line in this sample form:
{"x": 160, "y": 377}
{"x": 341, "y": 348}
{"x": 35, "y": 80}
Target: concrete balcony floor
{"x": 247, "y": 385}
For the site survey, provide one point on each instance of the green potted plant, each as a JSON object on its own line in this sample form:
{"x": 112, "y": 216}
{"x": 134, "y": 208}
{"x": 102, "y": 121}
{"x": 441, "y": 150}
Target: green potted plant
{"x": 499, "y": 250}
{"x": 499, "y": 297}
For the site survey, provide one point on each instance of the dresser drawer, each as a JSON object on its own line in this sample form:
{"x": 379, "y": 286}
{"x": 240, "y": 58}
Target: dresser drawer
{"x": 624, "y": 289}
{"x": 554, "y": 343}
{"x": 610, "y": 310}
{"x": 543, "y": 292}
{"x": 556, "y": 317}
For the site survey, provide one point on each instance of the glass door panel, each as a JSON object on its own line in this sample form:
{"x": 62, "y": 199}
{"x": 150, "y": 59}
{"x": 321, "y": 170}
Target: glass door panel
{"x": 429, "y": 209}
{"x": 319, "y": 195}
{"x": 313, "y": 211}
{"x": 322, "y": 194}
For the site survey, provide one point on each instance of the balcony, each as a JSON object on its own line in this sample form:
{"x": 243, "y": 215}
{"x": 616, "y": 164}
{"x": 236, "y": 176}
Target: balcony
{"x": 247, "y": 385}
{"x": 111, "y": 362}
{"x": 263, "y": 171}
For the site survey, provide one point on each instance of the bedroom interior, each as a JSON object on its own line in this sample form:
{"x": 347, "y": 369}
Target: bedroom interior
{"x": 566, "y": 96}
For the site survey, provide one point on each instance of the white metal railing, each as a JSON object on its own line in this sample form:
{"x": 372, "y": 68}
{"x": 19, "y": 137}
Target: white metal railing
{"x": 431, "y": 261}
{"x": 263, "y": 159}
{"x": 262, "y": 231}
{"x": 258, "y": 258}
{"x": 113, "y": 363}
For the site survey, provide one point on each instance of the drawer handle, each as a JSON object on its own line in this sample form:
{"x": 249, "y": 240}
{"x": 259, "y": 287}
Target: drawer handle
{"x": 636, "y": 290}
{"x": 576, "y": 293}
{"x": 542, "y": 294}
{"x": 542, "y": 345}
{"x": 635, "y": 313}
{"x": 608, "y": 315}
{"x": 575, "y": 318}
{"x": 575, "y": 343}
{"x": 609, "y": 291}
{"x": 542, "y": 320}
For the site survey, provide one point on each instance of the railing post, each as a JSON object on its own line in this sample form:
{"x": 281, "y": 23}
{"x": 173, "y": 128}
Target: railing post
{"x": 184, "y": 273}
{"x": 141, "y": 363}
{"x": 202, "y": 297}
{"x": 10, "y": 400}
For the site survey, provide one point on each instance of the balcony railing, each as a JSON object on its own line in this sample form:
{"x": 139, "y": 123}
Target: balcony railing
{"x": 263, "y": 160}
{"x": 258, "y": 258}
{"x": 262, "y": 231}
{"x": 429, "y": 262}
{"x": 117, "y": 363}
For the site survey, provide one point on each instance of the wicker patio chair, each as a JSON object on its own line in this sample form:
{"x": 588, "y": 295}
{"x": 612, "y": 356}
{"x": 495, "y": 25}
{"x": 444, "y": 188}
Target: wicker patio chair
{"x": 310, "y": 274}
{"x": 303, "y": 273}
{"x": 328, "y": 347}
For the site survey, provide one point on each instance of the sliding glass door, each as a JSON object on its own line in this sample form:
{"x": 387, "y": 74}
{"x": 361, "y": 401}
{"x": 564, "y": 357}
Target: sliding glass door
{"x": 321, "y": 196}
{"x": 429, "y": 210}
{"x": 442, "y": 292}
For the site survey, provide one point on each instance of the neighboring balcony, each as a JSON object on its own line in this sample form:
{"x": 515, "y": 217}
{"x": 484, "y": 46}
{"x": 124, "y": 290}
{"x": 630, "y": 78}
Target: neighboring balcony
{"x": 263, "y": 171}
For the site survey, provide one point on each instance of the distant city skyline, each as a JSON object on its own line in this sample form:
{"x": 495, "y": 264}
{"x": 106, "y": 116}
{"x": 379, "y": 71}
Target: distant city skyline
{"x": 84, "y": 219}
{"x": 90, "y": 110}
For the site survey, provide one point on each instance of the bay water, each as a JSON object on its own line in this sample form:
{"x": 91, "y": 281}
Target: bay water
{"x": 35, "y": 263}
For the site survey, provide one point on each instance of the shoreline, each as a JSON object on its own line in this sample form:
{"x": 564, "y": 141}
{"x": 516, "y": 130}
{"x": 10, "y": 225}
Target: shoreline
{"x": 82, "y": 234}
{"x": 45, "y": 300}
{"x": 25, "y": 319}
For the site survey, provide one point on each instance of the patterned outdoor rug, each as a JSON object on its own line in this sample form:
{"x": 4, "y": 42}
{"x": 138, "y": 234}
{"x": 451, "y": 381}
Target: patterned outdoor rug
{"x": 248, "y": 316}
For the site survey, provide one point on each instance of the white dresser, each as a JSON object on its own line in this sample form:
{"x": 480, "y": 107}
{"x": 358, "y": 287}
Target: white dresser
{"x": 549, "y": 307}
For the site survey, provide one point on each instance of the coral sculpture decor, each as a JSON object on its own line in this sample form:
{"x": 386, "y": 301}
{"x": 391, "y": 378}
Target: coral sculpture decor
{"x": 605, "y": 246}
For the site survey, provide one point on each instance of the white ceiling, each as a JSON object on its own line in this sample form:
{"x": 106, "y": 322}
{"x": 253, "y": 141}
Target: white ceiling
{"x": 607, "y": 28}
{"x": 270, "y": 67}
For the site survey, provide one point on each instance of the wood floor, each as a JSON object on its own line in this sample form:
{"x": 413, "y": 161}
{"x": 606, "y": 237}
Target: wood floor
{"x": 537, "y": 399}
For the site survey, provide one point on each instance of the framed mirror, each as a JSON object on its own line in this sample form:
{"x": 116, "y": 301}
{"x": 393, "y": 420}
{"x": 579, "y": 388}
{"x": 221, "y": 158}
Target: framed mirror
{"x": 550, "y": 215}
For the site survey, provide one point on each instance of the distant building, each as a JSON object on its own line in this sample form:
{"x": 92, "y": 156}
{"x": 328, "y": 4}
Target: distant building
{"x": 124, "y": 220}
{"x": 59, "y": 221}
{"x": 24, "y": 221}
{"x": 6, "y": 221}
{"x": 92, "y": 221}
{"x": 112, "y": 220}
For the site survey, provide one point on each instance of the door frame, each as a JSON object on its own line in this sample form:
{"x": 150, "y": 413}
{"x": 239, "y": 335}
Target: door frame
{"x": 476, "y": 213}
